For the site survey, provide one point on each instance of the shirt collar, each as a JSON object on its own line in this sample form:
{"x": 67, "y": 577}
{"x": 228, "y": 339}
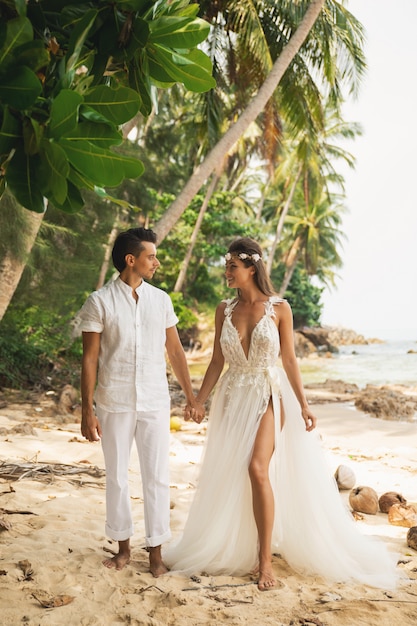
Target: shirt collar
{"x": 128, "y": 289}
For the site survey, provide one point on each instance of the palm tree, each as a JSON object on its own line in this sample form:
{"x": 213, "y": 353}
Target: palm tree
{"x": 309, "y": 159}
{"x": 248, "y": 116}
{"x": 316, "y": 236}
{"x": 15, "y": 256}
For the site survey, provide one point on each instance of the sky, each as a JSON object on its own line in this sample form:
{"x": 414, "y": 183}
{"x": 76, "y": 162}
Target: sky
{"x": 376, "y": 292}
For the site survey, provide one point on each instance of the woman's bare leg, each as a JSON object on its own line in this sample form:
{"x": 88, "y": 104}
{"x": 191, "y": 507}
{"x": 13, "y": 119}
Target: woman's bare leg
{"x": 262, "y": 496}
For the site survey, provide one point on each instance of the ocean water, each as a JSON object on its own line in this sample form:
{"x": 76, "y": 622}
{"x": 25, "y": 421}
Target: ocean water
{"x": 375, "y": 364}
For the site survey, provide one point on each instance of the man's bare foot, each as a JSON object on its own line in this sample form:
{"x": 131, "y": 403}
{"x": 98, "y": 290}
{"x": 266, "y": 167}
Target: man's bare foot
{"x": 156, "y": 565}
{"x": 122, "y": 558}
{"x": 118, "y": 561}
{"x": 267, "y": 580}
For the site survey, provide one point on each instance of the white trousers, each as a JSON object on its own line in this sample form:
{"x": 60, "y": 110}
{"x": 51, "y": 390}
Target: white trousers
{"x": 150, "y": 431}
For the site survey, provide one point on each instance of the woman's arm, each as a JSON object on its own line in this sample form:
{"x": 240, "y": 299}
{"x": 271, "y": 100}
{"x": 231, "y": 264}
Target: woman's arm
{"x": 179, "y": 364}
{"x": 216, "y": 364}
{"x": 290, "y": 363}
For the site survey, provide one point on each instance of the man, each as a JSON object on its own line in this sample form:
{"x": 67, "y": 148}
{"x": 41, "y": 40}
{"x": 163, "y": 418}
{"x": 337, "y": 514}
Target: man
{"x": 126, "y": 327}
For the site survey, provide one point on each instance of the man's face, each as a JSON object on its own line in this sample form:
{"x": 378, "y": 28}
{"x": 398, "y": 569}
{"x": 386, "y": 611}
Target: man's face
{"x": 146, "y": 263}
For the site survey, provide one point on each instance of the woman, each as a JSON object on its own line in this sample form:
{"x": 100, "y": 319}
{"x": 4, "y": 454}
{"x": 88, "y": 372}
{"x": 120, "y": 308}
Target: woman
{"x": 261, "y": 454}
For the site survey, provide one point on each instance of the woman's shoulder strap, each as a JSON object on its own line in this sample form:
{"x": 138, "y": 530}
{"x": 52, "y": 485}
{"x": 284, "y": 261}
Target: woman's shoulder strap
{"x": 276, "y": 299}
{"x": 269, "y": 305}
{"x": 230, "y": 305}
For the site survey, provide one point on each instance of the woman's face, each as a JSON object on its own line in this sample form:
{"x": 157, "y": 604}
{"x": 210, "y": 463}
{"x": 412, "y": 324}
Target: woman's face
{"x": 237, "y": 274}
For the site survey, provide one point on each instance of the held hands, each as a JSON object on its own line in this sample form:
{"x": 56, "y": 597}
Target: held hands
{"x": 309, "y": 419}
{"x": 195, "y": 411}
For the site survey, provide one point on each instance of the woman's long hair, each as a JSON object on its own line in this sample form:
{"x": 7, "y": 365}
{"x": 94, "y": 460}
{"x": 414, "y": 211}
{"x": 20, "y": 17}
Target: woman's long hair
{"x": 246, "y": 245}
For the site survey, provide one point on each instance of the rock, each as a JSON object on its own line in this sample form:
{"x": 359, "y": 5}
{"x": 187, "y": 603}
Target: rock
{"x": 303, "y": 346}
{"x": 319, "y": 337}
{"x": 345, "y": 477}
{"x": 385, "y": 403}
{"x": 403, "y": 515}
{"x": 388, "y": 499}
{"x": 364, "y": 500}
{"x": 68, "y": 399}
{"x": 412, "y": 538}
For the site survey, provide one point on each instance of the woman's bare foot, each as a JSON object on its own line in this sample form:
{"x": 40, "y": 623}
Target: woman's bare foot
{"x": 267, "y": 580}
{"x": 156, "y": 565}
{"x": 121, "y": 559}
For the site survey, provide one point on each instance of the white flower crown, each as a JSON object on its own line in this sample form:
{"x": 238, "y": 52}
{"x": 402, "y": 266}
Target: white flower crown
{"x": 242, "y": 255}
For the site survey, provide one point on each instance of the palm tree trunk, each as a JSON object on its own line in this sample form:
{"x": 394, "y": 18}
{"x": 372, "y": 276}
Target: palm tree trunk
{"x": 183, "y": 271}
{"x": 11, "y": 268}
{"x": 249, "y": 115}
{"x": 107, "y": 252}
{"x": 291, "y": 262}
{"x": 280, "y": 224}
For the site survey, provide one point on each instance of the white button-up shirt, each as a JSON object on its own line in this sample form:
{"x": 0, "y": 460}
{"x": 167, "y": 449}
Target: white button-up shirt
{"x": 131, "y": 365}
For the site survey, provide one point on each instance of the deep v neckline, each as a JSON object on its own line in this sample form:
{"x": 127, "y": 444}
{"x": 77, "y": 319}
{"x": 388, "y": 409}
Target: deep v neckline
{"x": 246, "y": 356}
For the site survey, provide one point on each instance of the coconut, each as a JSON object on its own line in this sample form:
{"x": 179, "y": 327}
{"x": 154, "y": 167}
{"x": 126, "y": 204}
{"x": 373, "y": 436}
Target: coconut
{"x": 412, "y": 538}
{"x": 403, "y": 515}
{"x": 388, "y": 499}
{"x": 345, "y": 477}
{"x": 364, "y": 500}
{"x": 175, "y": 423}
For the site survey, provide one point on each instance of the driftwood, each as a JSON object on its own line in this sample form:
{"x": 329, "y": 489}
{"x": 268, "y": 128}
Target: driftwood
{"x": 42, "y": 471}
{"x": 215, "y": 587}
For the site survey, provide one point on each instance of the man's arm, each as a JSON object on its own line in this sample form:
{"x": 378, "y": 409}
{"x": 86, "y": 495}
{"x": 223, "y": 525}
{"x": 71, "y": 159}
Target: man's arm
{"x": 90, "y": 427}
{"x": 179, "y": 364}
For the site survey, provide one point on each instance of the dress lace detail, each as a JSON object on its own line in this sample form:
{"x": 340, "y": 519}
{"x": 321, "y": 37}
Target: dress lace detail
{"x": 253, "y": 370}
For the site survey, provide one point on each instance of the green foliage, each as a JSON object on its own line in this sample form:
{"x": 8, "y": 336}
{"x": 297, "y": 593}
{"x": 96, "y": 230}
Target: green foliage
{"x": 224, "y": 221}
{"x": 303, "y": 296}
{"x": 187, "y": 318}
{"x": 70, "y": 74}
{"x": 36, "y": 349}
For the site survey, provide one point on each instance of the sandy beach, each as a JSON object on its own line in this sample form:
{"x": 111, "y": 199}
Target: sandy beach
{"x": 52, "y": 546}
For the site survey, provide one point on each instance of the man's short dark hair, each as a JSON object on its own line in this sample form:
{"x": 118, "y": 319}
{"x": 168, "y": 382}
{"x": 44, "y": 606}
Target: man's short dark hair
{"x": 130, "y": 242}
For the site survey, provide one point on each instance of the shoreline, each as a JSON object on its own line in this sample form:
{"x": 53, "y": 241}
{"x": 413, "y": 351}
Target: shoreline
{"x": 57, "y": 528}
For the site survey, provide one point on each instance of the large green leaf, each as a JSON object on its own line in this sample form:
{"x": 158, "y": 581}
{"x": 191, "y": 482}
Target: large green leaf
{"x": 64, "y": 113}
{"x": 101, "y": 135}
{"x": 199, "y": 58}
{"x": 53, "y": 171}
{"x": 77, "y": 39}
{"x": 158, "y": 72}
{"x": 139, "y": 81}
{"x": 10, "y": 132}
{"x": 32, "y": 135}
{"x": 32, "y": 54}
{"x": 138, "y": 37}
{"x": 181, "y": 68}
{"x": 19, "y": 31}
{"x": 177, "y": 32}
{"x": 102, "y": 193}
{"x": 73, "y": 202}
{"x": 102, "y": 167}
{"x": 79, "y": 180}
{"x": 20, "y": 7}
{"x": 117, "y": 105}
{"x": 134, "y": 5}
{"x": 20, "y": 88}
{"x": 22, "y": 179}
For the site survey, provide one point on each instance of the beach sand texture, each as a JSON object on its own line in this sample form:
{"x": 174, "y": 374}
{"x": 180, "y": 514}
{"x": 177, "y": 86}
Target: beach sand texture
{"x": 52, "y": 552}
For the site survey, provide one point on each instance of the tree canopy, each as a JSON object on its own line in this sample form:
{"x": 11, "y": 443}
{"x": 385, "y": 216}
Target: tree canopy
{"x": 71, "y": 72}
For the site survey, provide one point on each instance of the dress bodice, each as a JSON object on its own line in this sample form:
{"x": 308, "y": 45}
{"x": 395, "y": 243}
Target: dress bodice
{"x": 264, "y": 342}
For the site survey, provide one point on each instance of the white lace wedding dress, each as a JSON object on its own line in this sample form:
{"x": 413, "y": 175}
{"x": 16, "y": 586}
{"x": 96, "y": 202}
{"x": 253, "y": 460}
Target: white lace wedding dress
{"x": 313, "y": 530}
